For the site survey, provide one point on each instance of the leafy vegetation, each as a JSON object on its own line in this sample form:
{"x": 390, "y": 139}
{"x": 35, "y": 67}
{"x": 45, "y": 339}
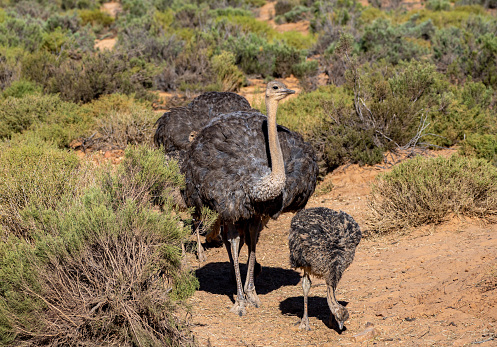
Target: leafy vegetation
{"x": 429, "y": 190}
{"x": 84, "y": 256}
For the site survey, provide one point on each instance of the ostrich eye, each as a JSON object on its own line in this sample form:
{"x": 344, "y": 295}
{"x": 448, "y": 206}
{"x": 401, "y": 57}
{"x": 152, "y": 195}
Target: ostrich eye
{"x": 275, "y": 87}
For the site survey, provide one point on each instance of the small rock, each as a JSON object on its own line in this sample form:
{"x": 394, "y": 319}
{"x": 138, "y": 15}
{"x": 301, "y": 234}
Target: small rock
{"x": 367, "y": 334}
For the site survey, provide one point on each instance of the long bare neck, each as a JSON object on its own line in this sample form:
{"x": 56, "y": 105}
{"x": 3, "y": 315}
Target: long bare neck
{"x": 270, "y": 186}
{"x": 277, "y": 163}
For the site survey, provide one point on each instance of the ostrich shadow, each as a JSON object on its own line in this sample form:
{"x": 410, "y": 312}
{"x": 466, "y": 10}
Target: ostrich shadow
{"x": 316, "y": 307}
{"x": 215, "y": 278}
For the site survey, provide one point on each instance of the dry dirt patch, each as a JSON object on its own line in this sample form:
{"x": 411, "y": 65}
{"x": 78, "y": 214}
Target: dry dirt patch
{"x": 113, "y": 8}
{"x": 105, "y": 44}
{"x": 433, "y": 286}
{"x": 267, "y": 14}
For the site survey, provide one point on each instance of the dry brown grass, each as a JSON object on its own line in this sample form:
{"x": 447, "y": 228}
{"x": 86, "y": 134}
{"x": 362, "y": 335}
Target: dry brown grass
{"x": 430, "y": 190}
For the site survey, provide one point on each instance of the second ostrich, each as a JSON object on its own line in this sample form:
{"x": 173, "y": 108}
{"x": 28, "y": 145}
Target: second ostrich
{"x": 248, "y": 169}
{"x": 322, "y": 242}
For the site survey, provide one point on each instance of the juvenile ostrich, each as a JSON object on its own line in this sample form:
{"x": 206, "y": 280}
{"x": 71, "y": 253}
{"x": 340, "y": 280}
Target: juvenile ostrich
{"x": 322, "y": 242}
{"x": 248, "y": 169}
{"x": 179, "y": 126}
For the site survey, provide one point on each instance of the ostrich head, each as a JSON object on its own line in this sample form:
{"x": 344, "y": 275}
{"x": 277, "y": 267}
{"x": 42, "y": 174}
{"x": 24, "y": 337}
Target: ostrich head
{"x": 341, "y": 315}
{"x": 276, "y": 91}
{"x": 340, "y": 312}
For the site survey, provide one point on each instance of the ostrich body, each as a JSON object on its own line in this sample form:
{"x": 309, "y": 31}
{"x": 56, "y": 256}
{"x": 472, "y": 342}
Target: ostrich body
{"x": 322, "y": 242}
{"x": 248, "y": 169}
{"x": 179, "y": 126}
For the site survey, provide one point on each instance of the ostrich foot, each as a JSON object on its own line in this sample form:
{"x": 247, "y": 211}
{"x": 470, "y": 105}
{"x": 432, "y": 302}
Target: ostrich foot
{"x": 239, "y": 308}
{"x": 304, "y": 324}
{"x": 252, "y": 298}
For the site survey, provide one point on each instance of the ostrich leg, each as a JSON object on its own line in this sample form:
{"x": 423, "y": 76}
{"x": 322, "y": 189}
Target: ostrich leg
{"x": 254, "y": 231}
{"x": 200, "y": 248}
{"x": 227, "y": 244}
{"x": 233, "y": 238}
{"x": 306, "y": 286}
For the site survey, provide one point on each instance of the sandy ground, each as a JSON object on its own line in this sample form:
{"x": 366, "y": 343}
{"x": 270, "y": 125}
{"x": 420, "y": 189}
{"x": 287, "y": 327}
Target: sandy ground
{"x": 267, "y": 14}
{"x": 432, "y": 286}
{"x": 113, "y": 8}
{"x": 105, "y": 43}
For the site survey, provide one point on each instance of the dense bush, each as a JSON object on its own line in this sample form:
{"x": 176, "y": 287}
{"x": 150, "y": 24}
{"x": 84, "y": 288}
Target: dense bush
{"x": 255, "y": 55}
{"x": 429, "y": 190}
{"x": 53, "y": 119}
{"x": 382, "y": 40}
{"x": 102, "y": 265}
{"x": 94, "y": 75}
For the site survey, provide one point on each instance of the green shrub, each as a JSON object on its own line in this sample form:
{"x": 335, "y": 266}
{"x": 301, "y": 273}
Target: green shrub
{"x": 104, "y": 265}
{"x": 65, "y": 21}
{"x": 20, "y": 88}
{"x": 145, "y": 41}
{"x": 19, "y": 32}
{"x": 429, "y": 190}
{"x": 382, "y": 40}
{"x": 35, "y": 176}
{"x": 191, "y": 16}
{"x": 255, "y": 55}
{"x": 438, "y": 5}
{"x": 305, "y": 69}
{"x": 237, "y": 25}
{"x": 297, "y": 40}
{"x": 53, "y": 119}
{"x": 100, "y": 74}
{"x": 119, "y": 129}
{"x": 229, "y": 77}
{"x": 481, "y": 146}
{"x": 463, "y": 113}
{"x": 10, "y": 69}
{"x": 443, "y": 19}
{"x": 95, "y": 17}
{"x": 117, "y": 121}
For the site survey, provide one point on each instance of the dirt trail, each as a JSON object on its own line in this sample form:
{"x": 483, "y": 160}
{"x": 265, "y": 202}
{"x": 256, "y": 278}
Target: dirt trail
{"x": 436, "y": 285}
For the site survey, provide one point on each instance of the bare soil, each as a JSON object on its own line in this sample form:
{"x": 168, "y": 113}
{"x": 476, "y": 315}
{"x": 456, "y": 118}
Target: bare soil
{"x": 435, "y": 285}
{"x": 104, "y": 44}
{"x": 267, "y": 14}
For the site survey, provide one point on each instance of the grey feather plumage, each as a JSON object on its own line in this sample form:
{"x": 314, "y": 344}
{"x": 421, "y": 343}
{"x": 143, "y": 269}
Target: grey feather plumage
{"x": 175, "y": 126}
{"x": 322, "y": 242}
{"x": 231, "y": 155}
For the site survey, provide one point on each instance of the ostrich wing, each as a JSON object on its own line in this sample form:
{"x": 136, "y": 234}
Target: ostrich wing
{"x": 174, "y": 127}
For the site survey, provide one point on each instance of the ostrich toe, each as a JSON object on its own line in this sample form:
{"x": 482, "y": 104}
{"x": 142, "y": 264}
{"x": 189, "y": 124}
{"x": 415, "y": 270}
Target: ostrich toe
{"x": 239, "y": 308}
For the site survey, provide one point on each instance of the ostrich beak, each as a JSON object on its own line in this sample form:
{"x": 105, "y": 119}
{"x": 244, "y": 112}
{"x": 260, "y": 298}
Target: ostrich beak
{"x": 340, "y": 325}
{"x": 288, "y": 91}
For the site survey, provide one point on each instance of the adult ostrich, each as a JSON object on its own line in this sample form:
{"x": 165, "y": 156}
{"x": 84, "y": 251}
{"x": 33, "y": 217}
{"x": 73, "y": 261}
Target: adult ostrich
{"x": 179, "y": 126}
{"x": 248, "y": 169}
